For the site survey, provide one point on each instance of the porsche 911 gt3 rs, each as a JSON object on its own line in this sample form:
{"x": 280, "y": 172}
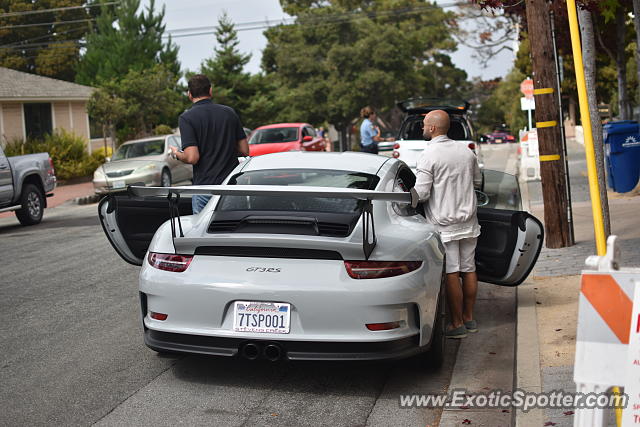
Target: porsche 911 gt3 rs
{"x": 302, "y": 256}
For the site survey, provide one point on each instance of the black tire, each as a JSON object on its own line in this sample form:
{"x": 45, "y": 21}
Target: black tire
{"x": 434, "y": 357}
{"x": 32, "y": 201}
{"x": 165, "y": 178}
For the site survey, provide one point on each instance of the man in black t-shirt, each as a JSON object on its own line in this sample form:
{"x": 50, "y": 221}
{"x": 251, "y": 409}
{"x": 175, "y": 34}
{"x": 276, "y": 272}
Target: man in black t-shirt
{"x": 212, "y": 138}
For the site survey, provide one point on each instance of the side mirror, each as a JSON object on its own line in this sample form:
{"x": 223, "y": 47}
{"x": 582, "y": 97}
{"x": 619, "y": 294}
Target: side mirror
{"x": 482, "y": 198}
{"x": 307, "y": 138}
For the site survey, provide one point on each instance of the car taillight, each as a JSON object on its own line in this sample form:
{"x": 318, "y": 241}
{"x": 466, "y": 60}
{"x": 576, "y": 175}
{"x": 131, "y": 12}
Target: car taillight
{"x": 396, "y": 154}
{"x": 170, "y": 262}
{"x": 510, "y": 137}
{"x": 396, "y": 146}
{"x": 472, "y": 145}
{"x": 52, "y": 170}
{"x": 379, "y": 269}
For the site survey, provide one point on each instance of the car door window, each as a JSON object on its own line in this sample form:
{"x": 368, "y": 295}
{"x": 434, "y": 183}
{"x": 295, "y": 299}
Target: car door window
{"x": 173, "y": 142}
{"x": 502, "y": 190}
{"x": 405, "y": 181}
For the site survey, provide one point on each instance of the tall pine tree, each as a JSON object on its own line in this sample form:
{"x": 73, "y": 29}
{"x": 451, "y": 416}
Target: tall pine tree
{"x": 124, "y": 40}
{"x": 231, "y": 84}
{"x": 43, "y": 42}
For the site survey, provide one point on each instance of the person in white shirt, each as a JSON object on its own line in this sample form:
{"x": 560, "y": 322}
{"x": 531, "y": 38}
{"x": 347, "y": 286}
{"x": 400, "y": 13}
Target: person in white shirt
{"x": 447, "y": 172}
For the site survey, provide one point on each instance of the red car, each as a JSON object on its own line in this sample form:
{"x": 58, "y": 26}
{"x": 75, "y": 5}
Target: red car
{"x": 499, "y": 137}
{"x": 285, "y": 137}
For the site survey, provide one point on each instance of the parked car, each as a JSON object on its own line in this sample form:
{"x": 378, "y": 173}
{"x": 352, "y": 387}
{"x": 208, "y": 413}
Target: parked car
{"x": 25, "y": 183}
{"x": 285, "y": 137}
{"x": 284, "y": 261}
{"x": 499, "y": 137}
{"x": 142, "y": 161}
{"x": 410, "y": 141}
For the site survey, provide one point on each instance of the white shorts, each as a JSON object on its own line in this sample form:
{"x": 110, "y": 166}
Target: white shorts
{"x": 461, "y": 255}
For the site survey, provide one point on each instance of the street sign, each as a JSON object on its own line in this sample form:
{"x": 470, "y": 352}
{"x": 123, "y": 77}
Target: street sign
{"x": 526, "y": 87}
{"x": 527, "y": 104}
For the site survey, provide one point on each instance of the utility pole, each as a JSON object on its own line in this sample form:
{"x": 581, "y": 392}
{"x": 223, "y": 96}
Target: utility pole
{"x": 554, "y": 188}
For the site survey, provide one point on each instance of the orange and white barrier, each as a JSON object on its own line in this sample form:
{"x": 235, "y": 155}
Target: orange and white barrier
{"x": 608, "y": 338}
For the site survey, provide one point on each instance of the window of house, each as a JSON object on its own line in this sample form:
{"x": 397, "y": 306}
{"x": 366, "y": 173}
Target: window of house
{"x": 37, "y": 120}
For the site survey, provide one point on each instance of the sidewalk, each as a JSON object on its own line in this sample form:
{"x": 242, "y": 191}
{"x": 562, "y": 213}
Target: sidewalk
{"x": 63, "y": 194}
{"x": 548, "y": 301}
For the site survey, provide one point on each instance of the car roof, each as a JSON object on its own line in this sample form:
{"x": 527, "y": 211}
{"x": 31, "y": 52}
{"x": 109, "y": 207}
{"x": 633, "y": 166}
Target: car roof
{"x": 150, "y": 138}
{"x": 346, "y": 161}
{"x": 282, "y": 125}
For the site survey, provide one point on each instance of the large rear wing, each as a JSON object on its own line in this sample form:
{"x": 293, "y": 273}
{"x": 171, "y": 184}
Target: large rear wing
{"x": 278, "y": 191}
{"x": 368, "y": 230}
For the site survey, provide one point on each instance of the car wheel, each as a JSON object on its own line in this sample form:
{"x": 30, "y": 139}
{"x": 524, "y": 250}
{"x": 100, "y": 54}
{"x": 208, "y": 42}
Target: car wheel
{"x": 434, "y": 357}
{"x": 165, "y": 178}
{"x": 32, "y": 201}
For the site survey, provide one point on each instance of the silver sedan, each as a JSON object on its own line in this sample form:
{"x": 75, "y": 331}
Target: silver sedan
{"x": 142, "y": 162}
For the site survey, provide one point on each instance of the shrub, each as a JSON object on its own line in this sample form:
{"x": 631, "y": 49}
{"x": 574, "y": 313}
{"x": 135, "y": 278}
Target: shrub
{"x": 163, "y": 130}
{"x": 67, "y": 150}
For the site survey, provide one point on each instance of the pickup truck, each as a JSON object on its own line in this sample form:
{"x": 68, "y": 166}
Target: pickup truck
{"x": 25, "y": 183}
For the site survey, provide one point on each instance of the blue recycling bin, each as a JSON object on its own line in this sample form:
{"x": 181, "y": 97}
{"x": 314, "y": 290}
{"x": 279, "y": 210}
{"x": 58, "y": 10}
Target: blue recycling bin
{"x": 622, "y": 152}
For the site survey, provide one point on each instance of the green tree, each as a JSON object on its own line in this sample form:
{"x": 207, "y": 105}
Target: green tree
{"x": 50, "y": 50}
{"x": 137, "y": 103}
{"x": 503, "y": 106}
{"x": 231, "y": 85}
{"x": 342, "y": 55}
{"x": 124, "y": 40}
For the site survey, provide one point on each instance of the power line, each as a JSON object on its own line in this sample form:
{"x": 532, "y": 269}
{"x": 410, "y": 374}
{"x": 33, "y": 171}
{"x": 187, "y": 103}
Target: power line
{"x": 307, "y": 21}
{"x": 46, "y": 23}
{"x": 57, "y": 9}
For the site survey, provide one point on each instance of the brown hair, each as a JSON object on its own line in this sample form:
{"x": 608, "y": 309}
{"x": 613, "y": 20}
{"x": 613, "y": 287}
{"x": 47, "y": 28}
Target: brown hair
{"x": 366, "y": 112}
{"x": 199, "y": 85}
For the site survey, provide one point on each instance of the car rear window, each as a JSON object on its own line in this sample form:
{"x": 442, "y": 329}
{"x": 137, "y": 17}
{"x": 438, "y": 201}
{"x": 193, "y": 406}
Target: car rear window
{"x": 412, "y": 129}
{"x": 267, "y": 136}
{"x": 298, "y": 177}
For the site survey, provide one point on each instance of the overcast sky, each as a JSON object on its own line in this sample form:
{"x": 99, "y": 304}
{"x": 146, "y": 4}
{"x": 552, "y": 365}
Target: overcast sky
{"x": 199, "y": 13}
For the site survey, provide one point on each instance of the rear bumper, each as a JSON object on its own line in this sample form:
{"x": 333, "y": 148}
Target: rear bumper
{"x": 292, "y": 350}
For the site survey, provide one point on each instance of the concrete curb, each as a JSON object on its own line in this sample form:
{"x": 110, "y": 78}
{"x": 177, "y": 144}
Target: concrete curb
{"x": 86, "y": 200}
{"x": 527, "y": 346}
{"x": 528, "y": 353}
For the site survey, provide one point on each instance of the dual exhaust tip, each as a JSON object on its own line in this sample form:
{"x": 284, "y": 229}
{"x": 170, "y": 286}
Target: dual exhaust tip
{"x": 253, "y": 351}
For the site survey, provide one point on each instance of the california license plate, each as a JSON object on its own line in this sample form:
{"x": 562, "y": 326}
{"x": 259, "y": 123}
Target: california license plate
{"x": 118, "y": 184}
{"x": 261, "y": 317}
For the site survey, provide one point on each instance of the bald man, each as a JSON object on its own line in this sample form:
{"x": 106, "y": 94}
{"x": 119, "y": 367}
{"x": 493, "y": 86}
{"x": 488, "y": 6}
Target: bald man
{"x": 447, "y": 172}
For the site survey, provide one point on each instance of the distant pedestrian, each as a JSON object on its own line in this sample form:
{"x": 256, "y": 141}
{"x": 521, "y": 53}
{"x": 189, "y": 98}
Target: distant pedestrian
{"x": 212, "y": 138}
{"x": 447, "y": 172}
{"x": 370, "y": 132}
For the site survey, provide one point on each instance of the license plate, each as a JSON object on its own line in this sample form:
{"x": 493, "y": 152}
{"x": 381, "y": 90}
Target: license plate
{"x": 261, "y": 317}
{"x": 499, "y": 140}
{"x": 118, "y": 184}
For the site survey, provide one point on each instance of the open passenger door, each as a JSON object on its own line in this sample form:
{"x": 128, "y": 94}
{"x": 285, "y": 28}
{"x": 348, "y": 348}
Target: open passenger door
{"x": 131, "y": 221}
{"x": 510, "y": 239}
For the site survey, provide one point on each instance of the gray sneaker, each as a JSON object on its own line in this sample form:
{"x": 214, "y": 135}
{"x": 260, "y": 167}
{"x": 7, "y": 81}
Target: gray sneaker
{"x": 471, "y": 325}
{"x": 460, "y": 332}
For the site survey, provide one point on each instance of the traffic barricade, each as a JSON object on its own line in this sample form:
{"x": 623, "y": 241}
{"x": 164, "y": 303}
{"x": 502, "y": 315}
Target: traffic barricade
{"x": 622, "y": 152}
{"x": 604, "y": 356}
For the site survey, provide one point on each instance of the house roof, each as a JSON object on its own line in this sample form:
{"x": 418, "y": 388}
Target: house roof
{"x": 17, "y": 86}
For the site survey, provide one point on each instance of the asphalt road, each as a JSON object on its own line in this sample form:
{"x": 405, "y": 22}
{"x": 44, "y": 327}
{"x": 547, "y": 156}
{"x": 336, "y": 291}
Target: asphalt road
{"x": 73, "y": 354}
{"x": 72, "y": 351}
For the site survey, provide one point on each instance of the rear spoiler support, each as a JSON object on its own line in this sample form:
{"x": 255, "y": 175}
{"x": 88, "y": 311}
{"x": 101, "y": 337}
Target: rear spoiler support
{"x": 368, "y": 225}
{"x": 174, "y": 213}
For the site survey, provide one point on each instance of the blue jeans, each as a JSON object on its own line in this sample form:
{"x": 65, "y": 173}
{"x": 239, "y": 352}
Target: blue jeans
{"x": 198, "y": 202}
{"x": 371, "y": 148}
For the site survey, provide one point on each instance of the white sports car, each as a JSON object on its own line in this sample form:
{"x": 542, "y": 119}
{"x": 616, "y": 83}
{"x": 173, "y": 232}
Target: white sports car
{"x": 302, "y": 256}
